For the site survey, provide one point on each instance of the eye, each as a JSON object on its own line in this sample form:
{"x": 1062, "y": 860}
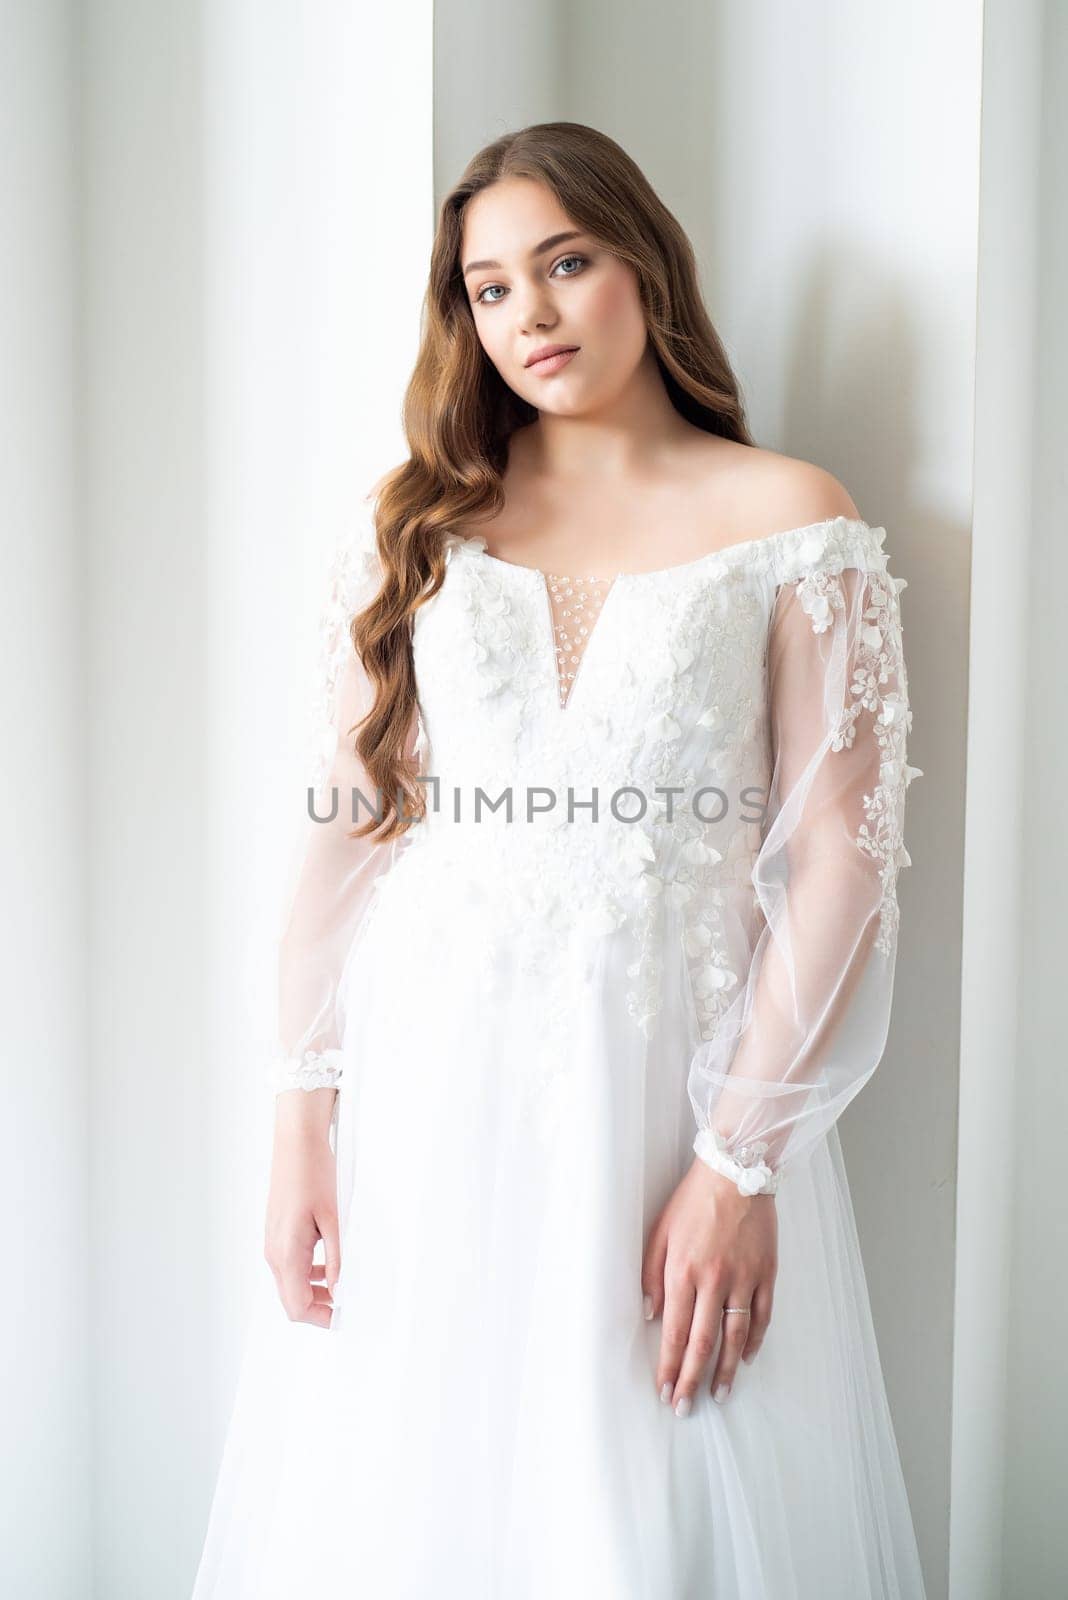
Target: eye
{"x": 583, "y": 261}
{"x": 580, "y": 259}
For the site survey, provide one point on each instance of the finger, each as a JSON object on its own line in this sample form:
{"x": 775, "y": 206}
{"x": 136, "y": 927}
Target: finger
{"x": 653, "y": 1273}
{"x": 319, "y": 1316}
{"x": 306, "y": 1303}
{"x": 700, "y": 1347}
{"x": 735, "y": 1335}
{"x": 679, "y": 1297}
{"x": 294, "y": 1274}
{"x": 331, "y": 1245}
{"x": 758, "y": 1322}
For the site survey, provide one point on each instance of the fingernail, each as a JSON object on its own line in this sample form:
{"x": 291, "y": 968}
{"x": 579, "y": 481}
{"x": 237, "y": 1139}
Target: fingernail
{"x": 647, "y": 1306}
{"x": 722, "y": 1392}
{"x": 684, "y": 1406}
{"x": 666, "y": 1391}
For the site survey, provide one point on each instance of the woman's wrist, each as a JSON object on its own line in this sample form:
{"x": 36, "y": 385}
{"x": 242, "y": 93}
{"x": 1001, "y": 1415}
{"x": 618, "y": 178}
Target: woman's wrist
{"x": 304, "y": 1113}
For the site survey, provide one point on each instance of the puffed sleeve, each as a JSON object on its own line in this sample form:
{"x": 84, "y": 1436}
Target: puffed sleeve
{"x": 809, "y": 1027}
{"x": 336, "y": 873}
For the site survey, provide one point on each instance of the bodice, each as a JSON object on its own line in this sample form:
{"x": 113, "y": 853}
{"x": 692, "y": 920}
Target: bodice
{"x": 640, "y": 796}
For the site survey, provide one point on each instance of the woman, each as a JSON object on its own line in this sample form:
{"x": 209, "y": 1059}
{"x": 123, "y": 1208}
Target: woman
{"x": 566, "y": 1029}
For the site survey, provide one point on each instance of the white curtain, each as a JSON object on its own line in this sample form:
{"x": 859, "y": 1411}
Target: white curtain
{"x": 259, "y": 200}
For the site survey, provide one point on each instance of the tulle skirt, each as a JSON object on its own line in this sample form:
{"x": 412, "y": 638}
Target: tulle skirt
{"x": 480, "y": 1421}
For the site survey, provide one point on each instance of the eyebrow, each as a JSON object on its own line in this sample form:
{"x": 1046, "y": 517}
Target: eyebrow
{"x": 538, "y": 250}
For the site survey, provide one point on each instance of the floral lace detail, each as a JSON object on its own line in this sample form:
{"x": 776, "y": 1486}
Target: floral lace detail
{"x": 565, "y": 882}
{"x": 745, "y": 1165}
{"x": 633, "y": 874}
{"x": 826, "y": 548}
{"x": 711, "y": 866}
{"x": 878, "y": 685}
{"x": 314, "y": 1070}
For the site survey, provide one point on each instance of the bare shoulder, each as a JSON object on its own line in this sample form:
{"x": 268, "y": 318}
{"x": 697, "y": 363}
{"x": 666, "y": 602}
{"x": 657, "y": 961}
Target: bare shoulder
{"x": 784, "y": 492}
{"x": 757, "y": 492}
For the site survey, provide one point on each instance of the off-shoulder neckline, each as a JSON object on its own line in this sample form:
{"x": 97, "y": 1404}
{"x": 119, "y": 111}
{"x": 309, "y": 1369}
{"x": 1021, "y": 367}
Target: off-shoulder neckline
{"x": 476, "y": 545}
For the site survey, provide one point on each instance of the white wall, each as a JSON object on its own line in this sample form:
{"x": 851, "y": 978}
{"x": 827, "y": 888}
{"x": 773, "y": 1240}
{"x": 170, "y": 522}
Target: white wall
{"x": 825, "y": 161}
{"x": 45, "y": 736}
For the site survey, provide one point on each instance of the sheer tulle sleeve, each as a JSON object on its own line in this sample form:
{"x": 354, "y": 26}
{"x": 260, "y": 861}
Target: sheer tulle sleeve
{"x": 809, "y": 1027}
{"x": 336, "y": 874}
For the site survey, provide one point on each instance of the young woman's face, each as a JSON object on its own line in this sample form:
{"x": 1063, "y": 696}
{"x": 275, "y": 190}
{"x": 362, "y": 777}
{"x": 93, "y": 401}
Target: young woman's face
{"x": 548, "y": 283}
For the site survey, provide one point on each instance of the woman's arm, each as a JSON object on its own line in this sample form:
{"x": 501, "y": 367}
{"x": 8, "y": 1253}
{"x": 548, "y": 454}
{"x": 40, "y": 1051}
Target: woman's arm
{"x": 809, "y": 1025}
{"x": 331, "y": 895}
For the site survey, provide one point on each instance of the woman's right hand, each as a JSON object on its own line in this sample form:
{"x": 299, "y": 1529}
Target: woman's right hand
{"x": 302, "y": 1205}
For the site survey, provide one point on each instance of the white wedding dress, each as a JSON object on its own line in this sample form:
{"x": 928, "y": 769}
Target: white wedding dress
{"x": 528, "y": 1018}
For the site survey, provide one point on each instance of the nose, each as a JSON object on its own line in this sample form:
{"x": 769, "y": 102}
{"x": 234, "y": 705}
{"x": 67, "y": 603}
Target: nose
{"x": 535, "y": 309}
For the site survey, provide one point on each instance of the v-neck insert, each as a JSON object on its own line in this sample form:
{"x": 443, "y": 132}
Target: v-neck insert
{"x": 575, "y": 606}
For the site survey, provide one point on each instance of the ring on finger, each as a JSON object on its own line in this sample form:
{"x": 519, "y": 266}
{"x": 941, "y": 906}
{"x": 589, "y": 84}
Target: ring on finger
{"x": 746, "y": 1310}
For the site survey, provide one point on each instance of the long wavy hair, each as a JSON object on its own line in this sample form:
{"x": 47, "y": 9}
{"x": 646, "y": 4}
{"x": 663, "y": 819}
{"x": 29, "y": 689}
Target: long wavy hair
{"x": 459, "y": 414}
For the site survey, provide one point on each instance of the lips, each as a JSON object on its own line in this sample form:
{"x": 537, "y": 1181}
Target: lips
{"x": 551, "y": 357}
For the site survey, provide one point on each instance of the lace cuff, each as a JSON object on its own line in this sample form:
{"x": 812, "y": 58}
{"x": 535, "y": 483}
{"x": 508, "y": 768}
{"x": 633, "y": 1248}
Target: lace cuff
{"x": 745, "y": 1166}
{"x": 315, "y": 1069}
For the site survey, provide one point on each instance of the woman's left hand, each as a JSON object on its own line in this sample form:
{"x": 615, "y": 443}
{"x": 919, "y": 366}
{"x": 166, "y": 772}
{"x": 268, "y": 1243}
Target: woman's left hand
{"x": 711, "y": 1247}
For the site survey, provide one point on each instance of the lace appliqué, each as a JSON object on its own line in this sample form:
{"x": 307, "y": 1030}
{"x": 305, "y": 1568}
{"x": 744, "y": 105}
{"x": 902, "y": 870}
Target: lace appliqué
{"x": 878, "y": 685}
{"x": 714, "y": 865}
{"x": 314, "y": 1070}
{"x": 697, "y": 627}
{"x": 744, "y": 1165}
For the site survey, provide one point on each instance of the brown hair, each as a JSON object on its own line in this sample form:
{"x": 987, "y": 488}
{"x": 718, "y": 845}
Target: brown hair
{"x": 459, "y": 413}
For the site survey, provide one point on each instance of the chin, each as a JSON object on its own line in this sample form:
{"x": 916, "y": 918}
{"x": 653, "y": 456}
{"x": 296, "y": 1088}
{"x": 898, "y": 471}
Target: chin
{"x": 560, "y": 407}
